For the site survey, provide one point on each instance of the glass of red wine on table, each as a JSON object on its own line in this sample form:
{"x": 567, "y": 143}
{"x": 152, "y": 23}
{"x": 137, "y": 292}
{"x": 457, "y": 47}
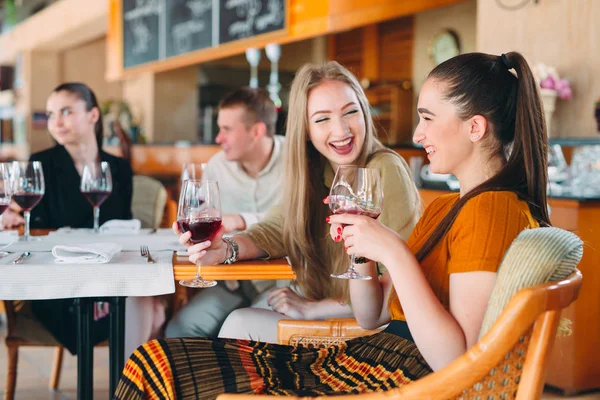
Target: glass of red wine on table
{"x": 27, "y": 185}
{"x": 199, "y": 211}
{"x": 96, "y": 186}
{"x": 356, "y": 191}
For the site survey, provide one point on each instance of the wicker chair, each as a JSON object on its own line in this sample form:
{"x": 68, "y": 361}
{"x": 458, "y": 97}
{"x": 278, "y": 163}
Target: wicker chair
{"x": 509, "y": 360}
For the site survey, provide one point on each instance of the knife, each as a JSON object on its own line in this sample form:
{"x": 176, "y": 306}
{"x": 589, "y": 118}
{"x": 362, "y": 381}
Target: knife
{"x": 19, "y": 260}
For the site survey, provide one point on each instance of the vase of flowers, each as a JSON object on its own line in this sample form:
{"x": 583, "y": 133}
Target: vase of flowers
{"x": 551, "y": 87}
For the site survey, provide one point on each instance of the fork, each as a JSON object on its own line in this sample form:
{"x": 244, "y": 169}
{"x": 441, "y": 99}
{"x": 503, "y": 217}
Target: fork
{"x": 146, "y": 253}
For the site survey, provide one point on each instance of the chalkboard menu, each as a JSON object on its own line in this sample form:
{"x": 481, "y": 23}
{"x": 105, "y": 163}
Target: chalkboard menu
{"x": 157, "y": 29}
{"x": 140, "y": 31}
{"x": 189, "y": 26}
{"x": 240, "y": 19}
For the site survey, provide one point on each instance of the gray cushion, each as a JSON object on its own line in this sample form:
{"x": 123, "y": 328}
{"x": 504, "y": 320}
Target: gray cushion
{"x": 536, "y": 256}
{"x": 148, "y": 202}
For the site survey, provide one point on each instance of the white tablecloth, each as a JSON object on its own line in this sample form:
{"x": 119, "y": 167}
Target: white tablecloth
{"x": 159, "y": 241}
{"x": 127, "y": 274}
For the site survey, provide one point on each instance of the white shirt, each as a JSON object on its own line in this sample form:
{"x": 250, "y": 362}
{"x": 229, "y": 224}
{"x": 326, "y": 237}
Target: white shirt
{"x": 242, "y": 194}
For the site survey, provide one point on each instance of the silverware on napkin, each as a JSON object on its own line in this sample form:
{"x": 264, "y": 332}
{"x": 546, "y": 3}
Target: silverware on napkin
{"x": 22, "y": 257}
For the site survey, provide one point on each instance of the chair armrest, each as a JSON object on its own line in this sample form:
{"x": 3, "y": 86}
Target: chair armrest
{"x": 327, "y": 332}
{"x": 170, "y": 214}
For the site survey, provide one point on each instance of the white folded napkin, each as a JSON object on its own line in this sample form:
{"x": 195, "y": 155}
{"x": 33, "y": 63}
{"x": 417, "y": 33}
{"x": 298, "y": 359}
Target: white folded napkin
{"x": 121, "y": 227}
{"x": 93, "y": 253}
{"x": 7, "y": 237}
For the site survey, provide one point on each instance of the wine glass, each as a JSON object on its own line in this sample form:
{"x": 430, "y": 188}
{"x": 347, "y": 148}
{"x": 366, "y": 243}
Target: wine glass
{"x": 96, "y": 186}
{"x": 199, "y": 211}
{"x": 27, "y": 188}
{"x": 192, "y": 170}
{"x": 5, "y": 191}
{"x": 356, "y": 191}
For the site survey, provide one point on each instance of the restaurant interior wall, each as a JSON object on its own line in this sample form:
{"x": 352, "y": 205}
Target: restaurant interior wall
{"x": 461, "y": 18}
{"x": 87, "y": 63}
{"x": 564, "y": 34}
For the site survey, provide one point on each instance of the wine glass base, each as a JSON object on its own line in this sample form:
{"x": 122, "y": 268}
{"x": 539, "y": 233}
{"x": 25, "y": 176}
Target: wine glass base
{"x": 351, "y": 275}
{"x": 198, "y": 283}
{"x": 29, "y": 239}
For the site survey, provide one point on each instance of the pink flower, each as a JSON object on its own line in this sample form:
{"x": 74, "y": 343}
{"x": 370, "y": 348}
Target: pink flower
{"x": 548, "y": 83}
{"x": 565, "y": 93}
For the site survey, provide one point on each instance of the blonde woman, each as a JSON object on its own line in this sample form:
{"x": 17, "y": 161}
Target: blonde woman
{"x": 329, "y": 124}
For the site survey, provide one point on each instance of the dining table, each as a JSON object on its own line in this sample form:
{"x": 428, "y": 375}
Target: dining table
{"x": 182, "y": 269}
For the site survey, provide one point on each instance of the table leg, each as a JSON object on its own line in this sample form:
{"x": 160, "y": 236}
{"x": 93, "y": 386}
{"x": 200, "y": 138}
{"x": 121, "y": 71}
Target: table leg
{"x": 116, "y": 340}
{"x": 85, "y": 350}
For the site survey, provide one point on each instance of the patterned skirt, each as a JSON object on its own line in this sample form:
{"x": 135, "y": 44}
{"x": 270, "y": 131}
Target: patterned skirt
{"x": 198, "y": 368}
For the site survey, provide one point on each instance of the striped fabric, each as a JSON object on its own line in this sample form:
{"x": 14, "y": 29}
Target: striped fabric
{"x": 197, "y": 368}
{"x": 536, "y": 256}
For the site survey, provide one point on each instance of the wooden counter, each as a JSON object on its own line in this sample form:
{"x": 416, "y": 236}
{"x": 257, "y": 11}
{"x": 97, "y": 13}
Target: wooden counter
{"x": 165, "y": 161}
{"x": 575, "y": 361}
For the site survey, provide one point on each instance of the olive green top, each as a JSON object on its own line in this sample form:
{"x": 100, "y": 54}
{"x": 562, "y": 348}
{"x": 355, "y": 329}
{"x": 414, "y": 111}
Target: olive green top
{"x": 402, "y": 207}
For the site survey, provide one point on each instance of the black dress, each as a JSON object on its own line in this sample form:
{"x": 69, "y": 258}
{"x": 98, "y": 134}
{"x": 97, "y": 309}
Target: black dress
{"x": 64, "y": 205}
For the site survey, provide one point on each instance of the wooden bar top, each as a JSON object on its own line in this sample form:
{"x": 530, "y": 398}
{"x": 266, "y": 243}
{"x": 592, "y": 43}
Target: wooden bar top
{"x": 243, "y": 270}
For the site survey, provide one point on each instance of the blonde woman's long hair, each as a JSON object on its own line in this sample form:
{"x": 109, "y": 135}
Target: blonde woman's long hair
{"x": 304, "y": 229}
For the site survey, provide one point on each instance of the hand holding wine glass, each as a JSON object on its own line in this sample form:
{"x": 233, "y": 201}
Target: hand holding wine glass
{"x": 356, "y": 191}
{"x": 199, "y": 212}
{"x": 96, "y": 186}
{"x": 27, "y": 186}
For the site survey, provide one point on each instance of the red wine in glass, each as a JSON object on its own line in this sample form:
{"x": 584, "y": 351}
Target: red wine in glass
{"x": 3, "y": 207}
{"x": 202, "y": 229}
{"x": 96, "y": 197}
{"x": 27, "y": 200}
{"x": 357, "y": 191}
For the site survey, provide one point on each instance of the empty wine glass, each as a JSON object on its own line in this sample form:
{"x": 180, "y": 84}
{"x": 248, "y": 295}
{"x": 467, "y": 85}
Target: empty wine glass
{"x": 27, "y": 188}
{"x": 199, "y": 211}
{"x": 192, "y": 170}
{"x": 356, "y": 191}
{"x": 5, "y": 191}
{"x": 96, "y": 186}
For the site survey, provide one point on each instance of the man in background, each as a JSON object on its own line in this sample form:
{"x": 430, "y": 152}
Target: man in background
{"x": 249, "y": 169}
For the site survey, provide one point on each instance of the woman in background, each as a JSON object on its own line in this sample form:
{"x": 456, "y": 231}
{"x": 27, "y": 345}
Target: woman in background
{"x": 75, "y": 124}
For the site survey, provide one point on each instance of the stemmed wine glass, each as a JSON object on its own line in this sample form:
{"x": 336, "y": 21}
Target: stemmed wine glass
{"x": 356, "y": 191}
{"x": 190, "y": 170}
{"x": 96, "y": 186}
{"x": 5, "y": 191}
{"x": 199, "y": 211}
{"x": 27, "y": 187}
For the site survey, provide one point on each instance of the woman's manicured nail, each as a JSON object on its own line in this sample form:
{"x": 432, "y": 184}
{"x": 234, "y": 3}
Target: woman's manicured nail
{"x": 324, "y": 200}
{"x": 338, "y": 238}
{"x": 339, "y": 230}
{"x": 328, "y": 219}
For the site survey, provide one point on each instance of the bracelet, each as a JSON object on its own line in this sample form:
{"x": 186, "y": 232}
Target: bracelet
{"x": 231, "y": 244}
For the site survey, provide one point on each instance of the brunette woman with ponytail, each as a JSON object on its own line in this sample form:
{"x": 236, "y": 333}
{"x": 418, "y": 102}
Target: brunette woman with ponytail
{"x": 480, "y": 119}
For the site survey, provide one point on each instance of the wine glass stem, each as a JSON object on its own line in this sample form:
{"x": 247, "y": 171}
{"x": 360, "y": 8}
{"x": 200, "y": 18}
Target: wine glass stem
{"x": 27, "y": 215}
{"x": 96, "y": 219}
{"x": 352, "y": 258}
{"x": 198, "y": 277}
